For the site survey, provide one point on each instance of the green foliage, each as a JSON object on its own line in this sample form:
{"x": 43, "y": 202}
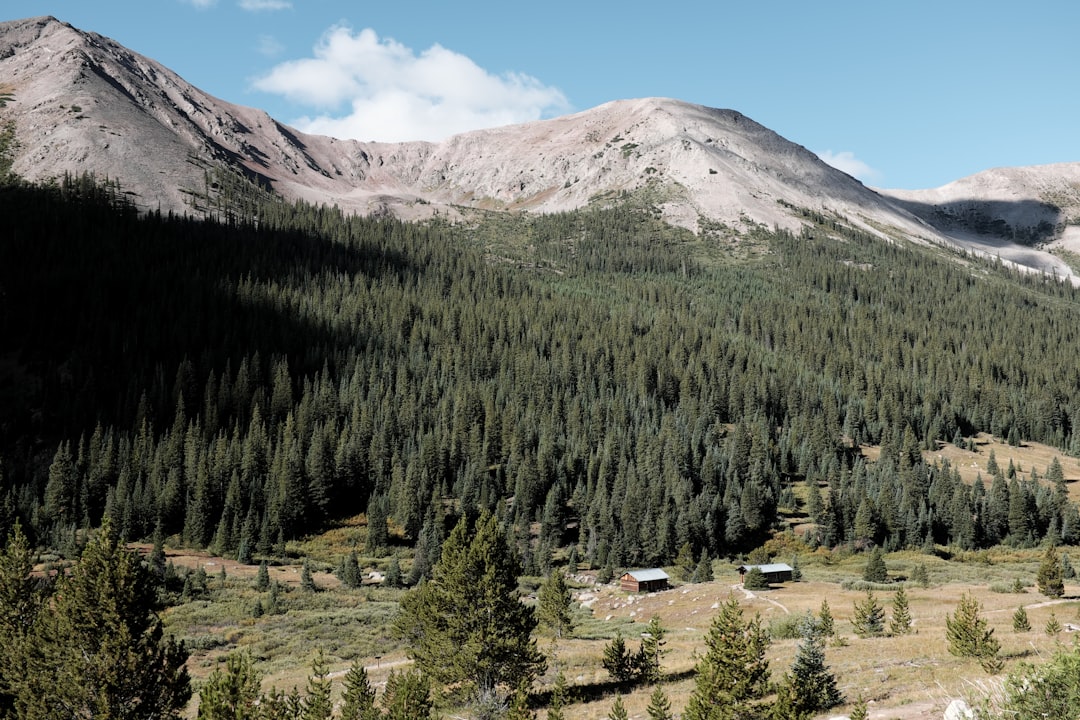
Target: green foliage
{"x": 812, "y": 683}
{"x": 9, "y": 146}
{"x": 734, "y": 672}
{"x": 659, "y": 705}
{"x": 703, "y": 571}
{"x": 479, "y": 645}
{"x": 618, "y": 710}
{"x": 826, "y": 625}
{"x": 232, "y": 693}
{"x": 875, "y": 570}
{"x": 969, "y": 635}
{"x": 1053, "y": 625}
{"x": 617, "y": 659}
{"x": 407, "y": 696}
{"x": 652, "y": 650}
{"x": 869, "y": 617}
{"x": 349, "y": 571}
{"x": 859, "y": 710}
{"x": 20, "y": 601}
{"x": 1020, "y": 621}
{"x": 358, "y": 696}
{"x": 1048, "y": 690}
{"x": 553, "y": 606}
{"x": 900, "y": 622}
{"x": 560, "y": 698}
{"x": 754, "y": 579}
{"x": 318, "y": 701}
{"x": 920, "y": 576}
{"x": 1050, "y": 577}
{"x": 99, "y": 649}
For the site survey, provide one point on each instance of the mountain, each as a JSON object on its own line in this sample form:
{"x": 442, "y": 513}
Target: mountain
{"x": 82, "y": 102}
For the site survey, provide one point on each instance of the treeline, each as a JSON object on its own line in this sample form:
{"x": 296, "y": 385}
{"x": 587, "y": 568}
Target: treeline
{"x": 239, "y": 383}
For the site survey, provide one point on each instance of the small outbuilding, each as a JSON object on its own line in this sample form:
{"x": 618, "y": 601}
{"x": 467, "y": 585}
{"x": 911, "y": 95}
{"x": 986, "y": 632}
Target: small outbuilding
{"x": 773, "y": 572}
{"x": 644, "y": 580}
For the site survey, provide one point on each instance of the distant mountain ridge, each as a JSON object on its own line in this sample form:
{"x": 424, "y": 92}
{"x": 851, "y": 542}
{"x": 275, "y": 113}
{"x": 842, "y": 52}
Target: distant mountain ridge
{"x": 82, "y": 102}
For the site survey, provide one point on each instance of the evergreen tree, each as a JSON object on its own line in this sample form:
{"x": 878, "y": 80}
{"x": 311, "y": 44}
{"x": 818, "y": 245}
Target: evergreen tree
{"x": 1020, "y": 620}
{"x": 920, "y": 575}
{"x": 734, "y": 671}
{"x": 900, "y": 622}
{"x": 553, "y": 606}
{"x": 20, "y": 600}
{"x": 813, "y": 684}
{"x": 652, "y": 649}
{"x": 869, "y": 618}
{"x": 519, "y": 705}
{"x": 875, "y": 570}
{"x": 358, "y": 697}
{"x": 349, "y": 573}
{"x": 307, "y": 581}
{"x": 407, "y": 696}
{"x": 684, "y": 563}
{"x": 100, "y": 649}
{"x": 1053, "y": 625}
{"x": 262, "y": 578}
{"x": 703, "y": 571}
{"x": 393, "y": 576}
{"x": 318, "y": 703}
{"x": 618, "y": 710}
{"x": 826, "y": 625}
{"x": 1050, "y": 576}
{"x": 659, "y": 705}
{"x": 483, "y": 644}
{"x": 232, "y": 693}
{"x": 754, "y": 579}
{"x": 617, "y": 659}
{"x": 970, "y": 636}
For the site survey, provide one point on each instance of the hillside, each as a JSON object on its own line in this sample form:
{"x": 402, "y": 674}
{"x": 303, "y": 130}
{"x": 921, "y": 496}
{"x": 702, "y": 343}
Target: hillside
{"x": 82, "y": 102}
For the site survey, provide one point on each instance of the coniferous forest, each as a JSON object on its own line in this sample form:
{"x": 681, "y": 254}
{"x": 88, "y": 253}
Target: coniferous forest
{"x": 626, "y": 387}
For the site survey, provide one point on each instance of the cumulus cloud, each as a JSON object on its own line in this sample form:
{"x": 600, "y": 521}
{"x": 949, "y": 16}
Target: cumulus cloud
{"x": 365, "y": 87}
{"x": 845, "y": 160}
{"x": 269, "y": 45}
{"x": 258, "y": 5}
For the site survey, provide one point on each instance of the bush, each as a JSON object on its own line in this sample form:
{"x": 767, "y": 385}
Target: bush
{"x": 754, "y": 579}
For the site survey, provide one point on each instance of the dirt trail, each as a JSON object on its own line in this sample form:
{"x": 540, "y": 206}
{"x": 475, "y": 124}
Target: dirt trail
{"x": 750, "y": 596}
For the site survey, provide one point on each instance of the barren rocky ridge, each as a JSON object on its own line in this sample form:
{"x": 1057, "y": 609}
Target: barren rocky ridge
{"x": 82, "y": 102}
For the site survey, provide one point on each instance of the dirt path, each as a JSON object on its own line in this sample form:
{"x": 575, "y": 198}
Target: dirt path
{"x": 750, "y": 596}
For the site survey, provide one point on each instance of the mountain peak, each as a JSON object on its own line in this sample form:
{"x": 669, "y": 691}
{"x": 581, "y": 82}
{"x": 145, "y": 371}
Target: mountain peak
{"x": 82, "y": 102}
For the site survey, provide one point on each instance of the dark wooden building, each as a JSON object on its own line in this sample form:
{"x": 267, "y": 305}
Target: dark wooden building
{"x": 644, "y": 580}
{"x": 773, "y": 572}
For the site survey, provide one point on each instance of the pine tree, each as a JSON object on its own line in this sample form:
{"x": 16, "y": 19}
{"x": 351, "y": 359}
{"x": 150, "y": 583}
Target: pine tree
{"x": 652, "y": 648}
{"x": 560, "y": 698}
{"x": 407, "y": 696}
{"x": 900, "y": 623}
{"x": 349, "y": 572}
{"x": 703, "y": 571}
{"x": 920, "y": 575}
{"x": 970, "y": 636}
{"x": 20, "y": 601}
{"x": 358, "y": 697}
{"x": 232, "y": 693}
{"x": 1050, "y": 577}
{"x": 617, "y": 659}
{"x": 483, "y": 644}
{"x": 618, "y": 710}
{"x": 734, "y": 671}
{"x": 875, "y": 570}
{"x": 754, "y": 579}
{"x": 826, "y": 626}
{"x": 1053, "y": 625}
{"x": 858, "y": 710}
{"x": 1020, "y": 620}
{"x": 553, "y": 606}
{"x": 869, "y": 617}
{"x": 813, "y": 684}
{"x": 318, "y": 703}
{"x": 659, "y": 705}
{"x": 684, "y": 563}
{"x": 307, "y": 581}
{"x": 101, "y": 651}
{"x": 262, "y": 578}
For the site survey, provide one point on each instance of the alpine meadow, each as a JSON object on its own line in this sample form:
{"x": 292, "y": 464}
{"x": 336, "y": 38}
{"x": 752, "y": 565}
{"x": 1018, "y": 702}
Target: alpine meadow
{"x": 271, "y": 458}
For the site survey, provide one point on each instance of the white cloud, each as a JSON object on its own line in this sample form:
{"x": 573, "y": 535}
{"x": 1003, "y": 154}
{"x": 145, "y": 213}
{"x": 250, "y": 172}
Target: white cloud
{"x": 201, "y": 4}
{"x": 369, "y": 88}
{"x": 845, "y": 160}
{"x": 257, "y": 5}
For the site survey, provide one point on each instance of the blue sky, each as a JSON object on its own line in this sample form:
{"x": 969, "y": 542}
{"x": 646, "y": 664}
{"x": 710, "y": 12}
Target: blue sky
{"x": 909, "y": 94}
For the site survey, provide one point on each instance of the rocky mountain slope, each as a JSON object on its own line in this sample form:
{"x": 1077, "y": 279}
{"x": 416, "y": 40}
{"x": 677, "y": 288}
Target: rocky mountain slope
{"x": 82, "y": 102}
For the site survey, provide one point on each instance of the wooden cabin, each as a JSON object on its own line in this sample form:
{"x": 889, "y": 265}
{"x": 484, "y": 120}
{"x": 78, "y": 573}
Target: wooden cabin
{"x": 644, "y": 580}
{"x": 773, "y": 572}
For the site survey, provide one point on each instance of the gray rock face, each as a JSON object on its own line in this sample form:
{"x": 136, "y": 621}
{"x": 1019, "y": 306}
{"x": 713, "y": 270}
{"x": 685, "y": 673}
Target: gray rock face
{"x": 82, "y": 102}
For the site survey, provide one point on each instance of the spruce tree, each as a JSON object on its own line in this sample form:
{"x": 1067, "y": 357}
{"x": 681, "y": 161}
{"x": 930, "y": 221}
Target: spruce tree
{"x": 659, "y": 705}
{"x": 869, "y": 618}
{"x": 560, "y": 698}
{"x": 483, "y": 644}
{"x": 1020, "y": 621}
{"x": 652, "y": 648}
{"x": 970, "y": 636}
{"x": 618, "y": 710}
{"x": 407, "y": 696}
{"x": 875, "y": 570}
{"x": 262, "y": 578}
{"x": 358, "y": 697}
{"x": 20, "y": 600}
{"x": 825, "y": 620}
{"x": 553, "y": 606}
{"x": 617, "y": 659}
{"x": 813, "y": 684}
{"x": 1053, "y": 625}
{"x": 231, "y": 693}
{"x": 318, "y": 703}
{"x": 734, "y": 672}
{"x": 900, "y": 622}
{"x": 1051, "y": 577}
{"x": 100, "y": 648}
